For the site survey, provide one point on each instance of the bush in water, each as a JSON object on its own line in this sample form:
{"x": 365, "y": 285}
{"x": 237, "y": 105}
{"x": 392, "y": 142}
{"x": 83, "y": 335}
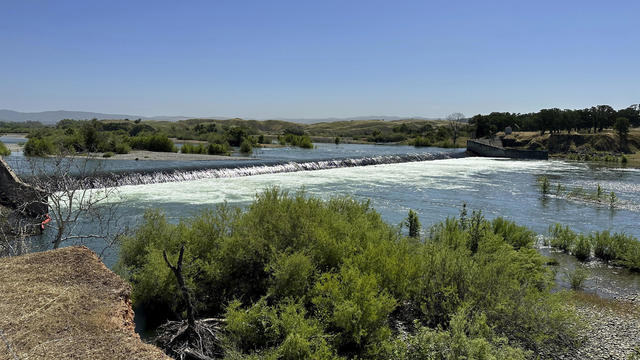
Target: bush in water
{"x": 582, "y": 248}
{"x": 218, "y": 149}
{"x": 543, "y": 181}
{"x": 604, "y": 247}
{"x": 296, "y": 276}
{"x": 4, "y": 151}
{"x": 246, "y": 147}
{"x": 155, "y": 142}
{"x": 577, "y": 277}
{"x": 562, "y": 237}
{"x": 193, "y": 149}
{"x": 619, "y": 249}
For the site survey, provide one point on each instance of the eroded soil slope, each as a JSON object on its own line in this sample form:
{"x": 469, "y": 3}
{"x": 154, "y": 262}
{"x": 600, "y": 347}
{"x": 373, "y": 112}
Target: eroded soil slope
{"x": 65, "y": 304}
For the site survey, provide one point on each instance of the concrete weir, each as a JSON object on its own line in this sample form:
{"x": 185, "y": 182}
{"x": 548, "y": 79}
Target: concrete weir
{"x": 494, "y": 148}
{"x": 19, "y": 196}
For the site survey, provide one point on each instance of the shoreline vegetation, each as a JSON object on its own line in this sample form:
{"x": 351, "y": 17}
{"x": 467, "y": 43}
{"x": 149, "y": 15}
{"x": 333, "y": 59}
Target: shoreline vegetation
{"x": 617, "y": 249}
{"x": 613, "y": 248}
{"x": 293, "y": 276}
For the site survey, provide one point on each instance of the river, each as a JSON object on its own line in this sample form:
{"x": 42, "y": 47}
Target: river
{"x": 433, "y": 182}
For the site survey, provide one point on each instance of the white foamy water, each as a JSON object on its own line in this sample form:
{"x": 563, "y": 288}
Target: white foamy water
{"x": 449, "y": 174}
{"x": 435, "y": 189}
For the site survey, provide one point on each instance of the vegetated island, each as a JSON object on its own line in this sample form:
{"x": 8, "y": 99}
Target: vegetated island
{"x": 117, "y": 139}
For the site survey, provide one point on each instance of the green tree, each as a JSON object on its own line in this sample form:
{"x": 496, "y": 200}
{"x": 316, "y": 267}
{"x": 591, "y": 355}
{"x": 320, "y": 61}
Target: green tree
{"x": 236, "y": 135}
{"x": 246, "y": 147}
{"x": 413, "y": 224}
{"x": 90, "y": 136}
{"x": 622, "y": 128}
{"x": 602, "y": 117}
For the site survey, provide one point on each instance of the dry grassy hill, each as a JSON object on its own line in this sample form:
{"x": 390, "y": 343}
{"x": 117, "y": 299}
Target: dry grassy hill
{"x": 606, "y": 141}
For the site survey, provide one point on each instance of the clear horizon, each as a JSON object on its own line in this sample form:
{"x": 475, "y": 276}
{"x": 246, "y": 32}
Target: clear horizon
{"x": 287, "y": 59}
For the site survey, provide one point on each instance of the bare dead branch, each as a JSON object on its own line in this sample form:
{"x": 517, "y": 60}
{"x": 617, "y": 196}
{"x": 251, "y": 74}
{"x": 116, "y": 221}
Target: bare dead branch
{"x": 177, "y": 271}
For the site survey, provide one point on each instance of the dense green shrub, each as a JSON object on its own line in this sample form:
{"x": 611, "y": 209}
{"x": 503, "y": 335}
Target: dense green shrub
{"x": 379, "y": 137}
{"x": 298, "y": 277}
{"x": 71, "y": 142}
{"x": 218, "y": 149}
{"x": 562, "y": 237}
{"x": 39, "y": 147}
{"x": 604, "y": 247}
{"x": 620, "y": 249}
{"x": 211, "y": 149}
{"x": 468, "y": 337}
{"x": 292, "y": 275}
{"x": 193, "y": 149}
{"x": 353, "y": 304}
{"x": 139, "y": 129}
{"x": 284, "y": 330}
{"x": 235, "y": 135}
{"x": 116, "y": 143}
{"x": 577, "y": 277}
{"x": 516, "y": 236}
{"x": 155, "y": 142}
{"x": 582, "y": 248}
{"x": 303, "y": 141}
{"x": 122, "y": 148}
{"x": 626, "y": 250}
{"x": 420, "y": 141}
{"x": 4, "y": 151}
{"x": 90, "y": 136}
{"x": 246, "y": 147}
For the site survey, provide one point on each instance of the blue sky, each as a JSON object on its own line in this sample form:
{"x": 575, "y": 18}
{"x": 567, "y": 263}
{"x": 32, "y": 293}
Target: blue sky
{"x": 312, "y": 59}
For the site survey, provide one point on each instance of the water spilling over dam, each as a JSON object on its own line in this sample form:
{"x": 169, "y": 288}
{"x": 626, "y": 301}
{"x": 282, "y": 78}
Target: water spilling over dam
{"x": 239, "y": 169}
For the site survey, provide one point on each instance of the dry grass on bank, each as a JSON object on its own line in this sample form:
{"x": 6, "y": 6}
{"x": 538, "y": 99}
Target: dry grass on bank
{"x": 563, "y": 142}
{"x": 65, "y": 304}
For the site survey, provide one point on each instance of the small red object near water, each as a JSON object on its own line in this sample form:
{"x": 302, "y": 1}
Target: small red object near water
{"x": 45, "y": 221}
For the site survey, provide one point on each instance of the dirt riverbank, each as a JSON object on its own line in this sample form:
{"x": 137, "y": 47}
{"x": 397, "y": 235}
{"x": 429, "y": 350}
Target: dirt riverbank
{"x": 66, "y": 304}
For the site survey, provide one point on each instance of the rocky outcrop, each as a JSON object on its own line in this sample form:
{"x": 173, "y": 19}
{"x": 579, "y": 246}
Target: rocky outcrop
{"x": 20, "y": 196}
{"x": 66, "y": 304}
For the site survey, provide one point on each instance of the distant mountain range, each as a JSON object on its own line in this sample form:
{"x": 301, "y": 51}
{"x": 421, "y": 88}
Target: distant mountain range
{"x": 355, "y": 118}
{"x": 52, "y": 117}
